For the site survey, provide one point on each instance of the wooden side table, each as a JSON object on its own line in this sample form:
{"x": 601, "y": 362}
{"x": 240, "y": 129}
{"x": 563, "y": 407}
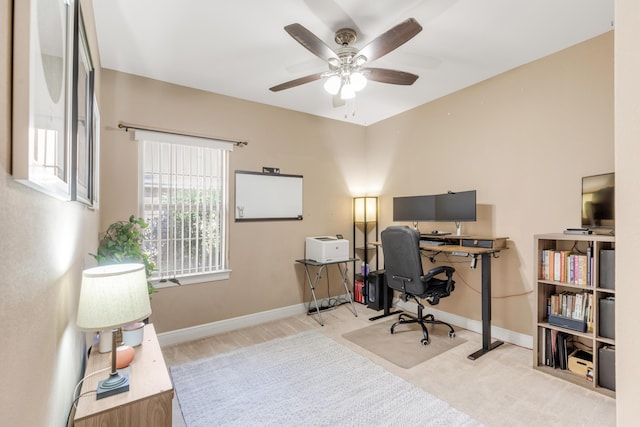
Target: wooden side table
{"x": 148, "y": 401}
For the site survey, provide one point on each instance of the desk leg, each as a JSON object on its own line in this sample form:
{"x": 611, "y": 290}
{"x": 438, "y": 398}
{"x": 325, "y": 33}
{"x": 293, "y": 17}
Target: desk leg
{"x": 487, "y": 346}
{"x": 344, "y": 271}
{"x": 313, "y": 293}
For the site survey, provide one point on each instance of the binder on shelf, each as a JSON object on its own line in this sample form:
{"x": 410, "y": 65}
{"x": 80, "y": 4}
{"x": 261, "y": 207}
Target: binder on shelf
{"x": 548, "y": 357}
{"x": 563, "y": 355}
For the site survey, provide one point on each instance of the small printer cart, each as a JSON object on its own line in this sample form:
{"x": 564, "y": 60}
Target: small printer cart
{"x": 321, "y": 267}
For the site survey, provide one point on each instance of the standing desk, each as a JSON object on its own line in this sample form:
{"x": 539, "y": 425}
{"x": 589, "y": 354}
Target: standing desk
{"x": 322, "y": 266}
{"x": 497, "y": 244}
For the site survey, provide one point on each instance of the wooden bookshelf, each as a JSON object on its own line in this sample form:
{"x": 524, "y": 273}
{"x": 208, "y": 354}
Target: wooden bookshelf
{"x": 566, "y": 283}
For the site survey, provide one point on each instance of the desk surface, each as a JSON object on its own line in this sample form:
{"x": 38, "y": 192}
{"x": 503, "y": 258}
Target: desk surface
{"x": 497, "y": 244}
{"x": 460, "y": 237}
{"x": 458, "y": 248}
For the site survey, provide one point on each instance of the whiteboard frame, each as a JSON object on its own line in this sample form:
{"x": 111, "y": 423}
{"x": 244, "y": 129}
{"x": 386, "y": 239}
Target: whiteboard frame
{"x": 267, "y": 196}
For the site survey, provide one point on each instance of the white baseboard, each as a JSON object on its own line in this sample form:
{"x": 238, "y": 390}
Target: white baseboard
{"x": 501, "y": 334}
{"x": 193, "y": 333}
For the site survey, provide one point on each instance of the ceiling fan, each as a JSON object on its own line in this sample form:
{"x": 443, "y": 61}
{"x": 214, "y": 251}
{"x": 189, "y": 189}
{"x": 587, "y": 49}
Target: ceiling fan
{"x": 347, "y": 73}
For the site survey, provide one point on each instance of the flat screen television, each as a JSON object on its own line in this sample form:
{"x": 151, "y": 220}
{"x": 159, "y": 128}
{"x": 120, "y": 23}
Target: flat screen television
{"x": 598, "y": 201}
{"x": 414, "y": 208}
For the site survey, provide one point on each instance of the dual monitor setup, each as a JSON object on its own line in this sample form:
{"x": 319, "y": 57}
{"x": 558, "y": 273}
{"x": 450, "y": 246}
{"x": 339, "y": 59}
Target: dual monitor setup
{"x": 455, "y": 207}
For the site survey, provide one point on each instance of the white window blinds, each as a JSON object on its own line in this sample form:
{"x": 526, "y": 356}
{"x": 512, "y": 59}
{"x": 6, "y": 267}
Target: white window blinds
{"x": 184, "y": 199}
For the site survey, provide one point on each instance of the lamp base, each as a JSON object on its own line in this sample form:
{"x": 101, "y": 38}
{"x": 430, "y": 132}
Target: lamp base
{"x": 115, "y": 384}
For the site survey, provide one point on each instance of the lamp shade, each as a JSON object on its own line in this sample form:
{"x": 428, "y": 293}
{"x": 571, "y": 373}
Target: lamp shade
{"x": 112, "y": 296}
{"x": 366, "y": 209}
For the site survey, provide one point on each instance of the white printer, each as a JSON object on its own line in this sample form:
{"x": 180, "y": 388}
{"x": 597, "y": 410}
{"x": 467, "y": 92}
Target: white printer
{"x": 326, "y": 249}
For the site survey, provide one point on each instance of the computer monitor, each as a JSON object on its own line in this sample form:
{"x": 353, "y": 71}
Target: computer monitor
{"x": 414, "y": 208}
{"x": 456, "y": 207}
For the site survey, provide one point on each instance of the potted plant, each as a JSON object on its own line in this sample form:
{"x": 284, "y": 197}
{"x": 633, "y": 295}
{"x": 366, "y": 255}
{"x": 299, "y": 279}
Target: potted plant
{"x": 123, "y": 243}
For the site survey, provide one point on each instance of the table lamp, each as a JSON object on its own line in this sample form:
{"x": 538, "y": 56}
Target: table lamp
{"x": 112, "y": 296}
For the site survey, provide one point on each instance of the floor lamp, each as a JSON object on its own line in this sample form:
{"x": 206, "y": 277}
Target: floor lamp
{"x": 112, "y": 296}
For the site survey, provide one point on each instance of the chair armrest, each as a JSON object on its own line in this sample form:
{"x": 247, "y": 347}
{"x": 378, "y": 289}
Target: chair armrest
{"x": 448, "y": 270}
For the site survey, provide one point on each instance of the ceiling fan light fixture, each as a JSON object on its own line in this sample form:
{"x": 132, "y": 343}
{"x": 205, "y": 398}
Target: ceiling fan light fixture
{"x": 347, "y": 91}
{"x": 358, "y": 81}
{"x": 360, "y": 60}
{"x": 332, "y": 85}
{"x": 334, "y": 63}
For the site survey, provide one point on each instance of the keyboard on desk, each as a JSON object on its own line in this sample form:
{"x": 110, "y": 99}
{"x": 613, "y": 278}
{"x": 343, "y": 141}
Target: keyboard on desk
{"x": 434, "y": 234}
{"x": 432, "y": 242}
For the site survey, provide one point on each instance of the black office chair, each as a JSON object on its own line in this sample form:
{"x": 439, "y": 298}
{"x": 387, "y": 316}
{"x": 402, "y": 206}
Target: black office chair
{"x": 403, "y": 271}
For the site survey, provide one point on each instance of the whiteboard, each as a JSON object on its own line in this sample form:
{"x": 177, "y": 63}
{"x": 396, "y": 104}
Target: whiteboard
{"x": 266, "y": 196}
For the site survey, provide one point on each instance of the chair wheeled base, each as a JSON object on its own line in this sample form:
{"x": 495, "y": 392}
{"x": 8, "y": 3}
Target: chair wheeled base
{"x": 405, "y": 318}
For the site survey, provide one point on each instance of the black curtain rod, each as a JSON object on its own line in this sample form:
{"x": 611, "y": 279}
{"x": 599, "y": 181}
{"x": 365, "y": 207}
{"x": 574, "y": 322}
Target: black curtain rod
{"x": 126, "y": 127}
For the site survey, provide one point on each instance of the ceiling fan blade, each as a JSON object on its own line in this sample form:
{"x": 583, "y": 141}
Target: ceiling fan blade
{"x": 309, "y": 40}
{"x": 297, "y": 82}
{"x": 393, "y": 77}
{"x": 391, "y": 39}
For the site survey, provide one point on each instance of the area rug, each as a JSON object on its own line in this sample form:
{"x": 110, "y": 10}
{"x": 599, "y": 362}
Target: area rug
{"x": 303, "y": 380}
{"x": 404, "y": 347}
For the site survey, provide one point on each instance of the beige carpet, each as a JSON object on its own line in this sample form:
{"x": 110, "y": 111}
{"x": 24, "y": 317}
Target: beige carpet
{"x": 403, "y": 348}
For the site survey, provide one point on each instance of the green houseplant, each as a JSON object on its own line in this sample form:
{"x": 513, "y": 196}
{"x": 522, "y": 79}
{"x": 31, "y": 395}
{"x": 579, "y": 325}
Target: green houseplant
{"x": 123, "y": 243}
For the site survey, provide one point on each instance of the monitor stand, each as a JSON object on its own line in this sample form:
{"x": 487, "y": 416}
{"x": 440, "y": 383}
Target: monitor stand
{"x": 458, "y": 228}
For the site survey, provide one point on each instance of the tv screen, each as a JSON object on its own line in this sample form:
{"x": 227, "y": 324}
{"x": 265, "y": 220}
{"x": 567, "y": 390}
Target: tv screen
{"x": 598, "y": 201}
{"x": 414, "y": 208}
{"x": 456, "y": 207}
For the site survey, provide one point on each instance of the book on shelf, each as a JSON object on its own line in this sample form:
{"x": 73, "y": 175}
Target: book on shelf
{"x": 575, "y": 305}
{"x": 556, "y": 349}
{"x": 572, "y": 310}
{"x": 566, "y": 267}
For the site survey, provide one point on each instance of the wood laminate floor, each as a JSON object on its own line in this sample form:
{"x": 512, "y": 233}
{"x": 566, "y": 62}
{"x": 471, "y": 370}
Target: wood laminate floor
{"x": 499, "y": 389}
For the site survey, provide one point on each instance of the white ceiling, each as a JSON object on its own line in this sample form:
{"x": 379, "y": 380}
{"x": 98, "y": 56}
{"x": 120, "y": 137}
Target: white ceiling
{"x": 239, "y": 47}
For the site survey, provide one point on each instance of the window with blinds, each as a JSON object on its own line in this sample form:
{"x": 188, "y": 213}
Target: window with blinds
{"x": 183, "y": 198}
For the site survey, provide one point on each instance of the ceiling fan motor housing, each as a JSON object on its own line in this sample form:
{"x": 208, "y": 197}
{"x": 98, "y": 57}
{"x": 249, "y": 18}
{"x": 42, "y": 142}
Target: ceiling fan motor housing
{"x": 345, "y": 36}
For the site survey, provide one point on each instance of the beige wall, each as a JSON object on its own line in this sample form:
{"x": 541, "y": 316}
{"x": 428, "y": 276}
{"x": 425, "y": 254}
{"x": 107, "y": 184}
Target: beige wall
{"x": 523, "y": 140}
{"x": 627, "y": 153}
{"x": 43, "y": 250}
{"x": 262, "y": 254}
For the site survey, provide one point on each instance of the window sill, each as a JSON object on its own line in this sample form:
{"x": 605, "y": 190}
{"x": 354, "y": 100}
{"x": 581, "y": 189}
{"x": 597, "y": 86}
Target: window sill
{"x": 193, "y": 279}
